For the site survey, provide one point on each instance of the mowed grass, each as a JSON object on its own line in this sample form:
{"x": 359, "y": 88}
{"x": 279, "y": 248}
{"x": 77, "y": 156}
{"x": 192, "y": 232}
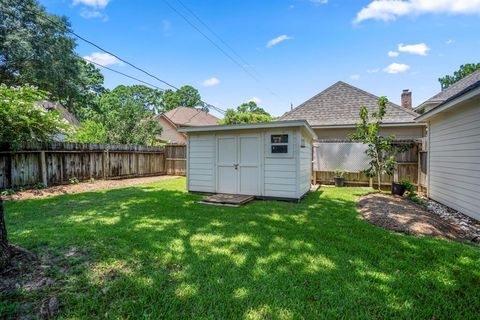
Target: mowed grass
{"x": 153, "y": 252}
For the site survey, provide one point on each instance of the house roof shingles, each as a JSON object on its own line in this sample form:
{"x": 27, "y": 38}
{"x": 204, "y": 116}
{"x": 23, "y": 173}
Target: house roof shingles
{"x": 339, "y": 105}
{"x": 454, "y": 89}
{"x": 190, "y": 117}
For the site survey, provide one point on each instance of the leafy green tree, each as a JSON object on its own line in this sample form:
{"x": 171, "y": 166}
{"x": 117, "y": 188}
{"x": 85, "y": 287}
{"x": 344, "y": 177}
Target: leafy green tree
{"x": 125, "y": 116}
{"x": 22, "y": 122}
{"x": 462, "y": 72}
{"x": 90, "y": 132}
{"x": 246, "y": 113}
{"x": 380, "y": 148}
{"x": 186, "y": 96}
{"x": 35, "y": 51}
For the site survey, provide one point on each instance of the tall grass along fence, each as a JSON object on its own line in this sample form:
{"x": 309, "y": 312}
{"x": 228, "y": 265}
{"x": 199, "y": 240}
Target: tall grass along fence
{"x": 350, "y": 156}
{"x": 57, "y": 163}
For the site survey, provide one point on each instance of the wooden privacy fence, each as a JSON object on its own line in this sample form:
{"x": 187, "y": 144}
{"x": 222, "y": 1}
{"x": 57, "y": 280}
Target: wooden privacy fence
{"x": 411, "y": 166}
{"x": 176, "y": 159}
{"x": 56, "y": 163}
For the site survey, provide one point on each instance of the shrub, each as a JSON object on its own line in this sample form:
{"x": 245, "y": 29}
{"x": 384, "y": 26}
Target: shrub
{"x": 74, "y": 180}
{"x": 339, "y": 173}
{"x": 39, "y": 185}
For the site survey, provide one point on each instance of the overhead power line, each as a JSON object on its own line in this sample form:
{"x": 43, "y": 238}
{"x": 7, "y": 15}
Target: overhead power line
{"x": 255, "y": 77}
{"x": 229, "y": 56}
{"x": 120, "y": 59}
{"x": 121, "y": 73}
{"x": 216, "y": 35}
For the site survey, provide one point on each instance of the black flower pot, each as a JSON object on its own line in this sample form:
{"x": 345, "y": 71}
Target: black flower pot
{"x": 398, "y": 189}
{"x": 339, "y": 182}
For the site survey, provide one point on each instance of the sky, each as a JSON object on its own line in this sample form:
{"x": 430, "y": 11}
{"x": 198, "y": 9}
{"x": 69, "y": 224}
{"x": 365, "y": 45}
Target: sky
{"x": 279, "y": 53}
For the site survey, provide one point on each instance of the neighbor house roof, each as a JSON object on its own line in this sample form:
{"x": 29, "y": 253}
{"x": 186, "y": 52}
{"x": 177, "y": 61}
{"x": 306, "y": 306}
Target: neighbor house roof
{"x": 64, "y": 113}
{"x": 450, "y": 92}
{"x": 472, "y": 91}
{"x": 190, "y": 117}
{"x": 339, "y": 105}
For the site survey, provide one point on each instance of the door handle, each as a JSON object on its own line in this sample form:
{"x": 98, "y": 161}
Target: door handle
{"x": 235, "y": 165}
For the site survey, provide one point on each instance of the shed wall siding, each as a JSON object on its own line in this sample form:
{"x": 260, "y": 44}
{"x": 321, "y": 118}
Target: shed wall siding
{"x": 201, "y": 160}
{"x": 454, "y": 159}
{"x": 280, "y": 173}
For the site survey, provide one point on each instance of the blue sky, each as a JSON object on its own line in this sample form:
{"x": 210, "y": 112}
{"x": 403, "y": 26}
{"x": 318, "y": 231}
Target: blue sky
{"x": 295, "y": 48}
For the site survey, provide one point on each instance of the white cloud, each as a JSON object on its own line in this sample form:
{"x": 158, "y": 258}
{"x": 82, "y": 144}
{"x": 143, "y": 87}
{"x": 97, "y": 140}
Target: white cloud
{"x": 387, "y": 10}
{"x": 211, "y": 82}
{"x": 257, "y": 100}
{"x": 355, "y": 76}
{"x": 277, "y": 40}
{"x": 104, "y": 59}
{"x": 450, "y": 41}
{"x": 373, "y": 70}
{"x": 393, "y": 54}
{"x": 419, "y": 48}
{"x": 396, "y": 68}
{"x": 92, "y": 3}
{"x": 92, "y": 14}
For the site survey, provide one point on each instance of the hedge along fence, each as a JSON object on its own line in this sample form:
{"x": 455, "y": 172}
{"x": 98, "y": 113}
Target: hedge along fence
{"x": 331, "y": 155}
{"x": 56, "y": 163}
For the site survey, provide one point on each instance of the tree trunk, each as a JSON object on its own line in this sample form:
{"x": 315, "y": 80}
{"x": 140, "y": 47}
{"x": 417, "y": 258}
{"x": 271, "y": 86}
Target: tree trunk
{"x": 4, "y": 250}
{"x": 379, "y": 179}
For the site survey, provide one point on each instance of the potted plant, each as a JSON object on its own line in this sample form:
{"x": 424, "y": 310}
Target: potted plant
{"x": 399, "y": 188}
{"x": 339, "y": 179}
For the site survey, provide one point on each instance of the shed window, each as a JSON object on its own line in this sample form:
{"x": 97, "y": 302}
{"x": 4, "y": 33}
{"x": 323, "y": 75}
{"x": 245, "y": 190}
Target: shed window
{"x": 279, "y": 138}
{"x": 279, "y": 143}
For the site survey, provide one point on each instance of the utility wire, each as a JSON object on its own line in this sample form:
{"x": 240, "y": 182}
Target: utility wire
{"x": 216, "y": 35}
{"x": 215, "y": 44}
{"x": 119, "y": 58}
{"x": 211, "y": 40}
{"x": 119, "y": 72}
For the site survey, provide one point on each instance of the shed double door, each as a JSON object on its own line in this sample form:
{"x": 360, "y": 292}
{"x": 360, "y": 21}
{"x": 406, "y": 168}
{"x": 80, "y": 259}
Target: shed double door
{"x": 238, "y": 164}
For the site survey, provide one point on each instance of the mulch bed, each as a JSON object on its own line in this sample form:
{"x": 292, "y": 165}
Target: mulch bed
{"x": 83, "y": 187}
{"x": 402, "y": 215}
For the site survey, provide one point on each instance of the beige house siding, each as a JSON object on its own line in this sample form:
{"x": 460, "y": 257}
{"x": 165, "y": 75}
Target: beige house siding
{"x": 170, "y": 133}
{"x": 454, "y": 158}
{"x": 403, "y": 132}
{"x": 305, "y": 163}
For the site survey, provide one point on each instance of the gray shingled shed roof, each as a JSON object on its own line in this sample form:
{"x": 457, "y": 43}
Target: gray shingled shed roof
{"x": 454, "y": 89}
{"x": 339, "y": 105}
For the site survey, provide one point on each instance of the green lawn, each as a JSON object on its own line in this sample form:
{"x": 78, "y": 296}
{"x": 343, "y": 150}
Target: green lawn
{"x": 152, "y": 251}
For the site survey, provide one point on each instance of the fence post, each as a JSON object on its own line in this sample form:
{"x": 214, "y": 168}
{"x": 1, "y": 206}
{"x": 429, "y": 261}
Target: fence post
{"x": 106, "y": 163}
{"x": 43, "y": 166}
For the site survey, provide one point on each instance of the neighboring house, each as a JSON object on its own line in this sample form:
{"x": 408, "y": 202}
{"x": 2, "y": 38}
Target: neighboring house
{"x": 179, "y": 117}
{"x": 334, "y": 112}
{"x": 453, "y": 142}
{"x": 449, "y": 92}
{"x": 64, "y": 113}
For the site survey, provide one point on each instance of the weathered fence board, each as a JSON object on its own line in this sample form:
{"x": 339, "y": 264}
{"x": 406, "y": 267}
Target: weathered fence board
{"x": 176, "y": 159}
{"x": 56, "y": 163}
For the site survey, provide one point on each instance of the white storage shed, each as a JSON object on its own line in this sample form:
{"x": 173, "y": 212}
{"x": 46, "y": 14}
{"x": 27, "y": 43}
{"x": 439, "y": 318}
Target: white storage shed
{"x": 268, "y": 160}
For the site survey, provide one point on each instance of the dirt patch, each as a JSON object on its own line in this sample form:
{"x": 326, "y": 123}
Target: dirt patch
{"x": 402, "y": 215}
{"x": 30, "y": 285}
{"x": 83, "y": 187}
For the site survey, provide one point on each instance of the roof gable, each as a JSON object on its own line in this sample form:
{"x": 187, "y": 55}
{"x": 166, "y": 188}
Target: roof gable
{"x": 340, "y": 104}
{"x": 183, "y": 116}
{"x": 453, "y": 90}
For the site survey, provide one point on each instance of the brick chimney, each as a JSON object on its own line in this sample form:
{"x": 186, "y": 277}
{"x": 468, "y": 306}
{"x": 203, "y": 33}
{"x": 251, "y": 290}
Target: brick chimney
{"x": 406, "y": 99}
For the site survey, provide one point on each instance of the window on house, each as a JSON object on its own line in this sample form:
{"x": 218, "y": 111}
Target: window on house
{"x": 279, "y": 143}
